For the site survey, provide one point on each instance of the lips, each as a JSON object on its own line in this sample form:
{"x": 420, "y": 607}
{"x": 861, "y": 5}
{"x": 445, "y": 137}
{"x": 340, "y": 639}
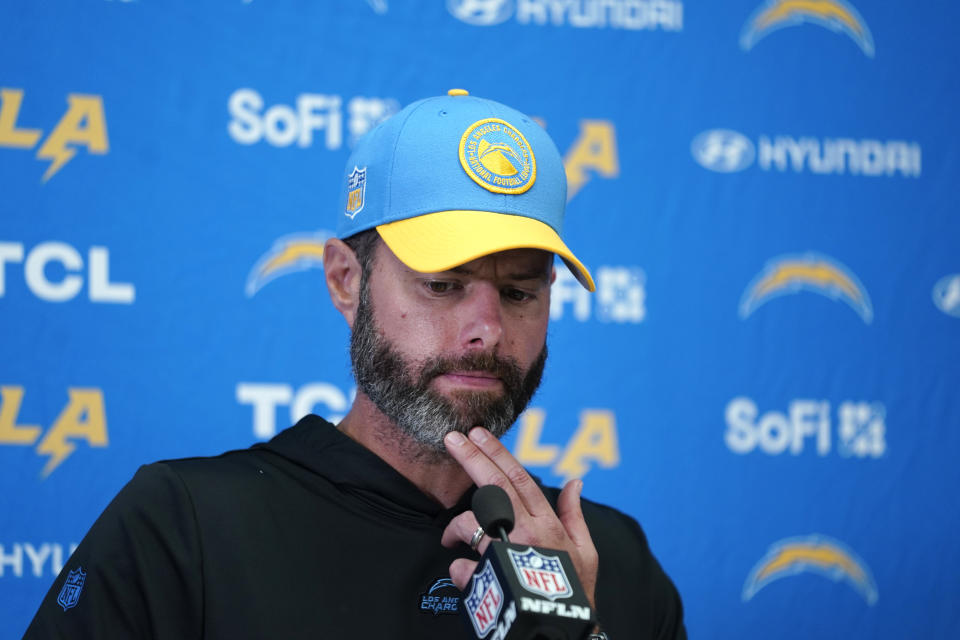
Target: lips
{"x": 475, "y": 379}
{"x": 481, "y": 372}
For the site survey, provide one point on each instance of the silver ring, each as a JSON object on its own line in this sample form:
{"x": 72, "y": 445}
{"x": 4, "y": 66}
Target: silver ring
{"x": 477, "y": 537}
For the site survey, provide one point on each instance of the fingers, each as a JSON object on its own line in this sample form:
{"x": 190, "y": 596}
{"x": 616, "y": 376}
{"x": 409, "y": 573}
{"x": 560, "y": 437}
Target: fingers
{"x": 571, "y": 515}
{"x": 487, "y": 461}
{"x": 461, "y": 529}
{"x": 585, "y": 556}
{"x": 461, "y": 570}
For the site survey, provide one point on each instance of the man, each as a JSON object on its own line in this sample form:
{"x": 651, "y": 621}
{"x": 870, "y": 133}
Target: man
{"x": 450, "y": 219}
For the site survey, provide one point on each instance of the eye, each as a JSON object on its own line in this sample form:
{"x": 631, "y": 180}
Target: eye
{"x": 439, "y": 286}
{"x": 517, "y": 295}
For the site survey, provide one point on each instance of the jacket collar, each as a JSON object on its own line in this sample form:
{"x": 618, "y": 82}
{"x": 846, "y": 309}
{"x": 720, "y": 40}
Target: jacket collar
{"x": 319, "y": 446}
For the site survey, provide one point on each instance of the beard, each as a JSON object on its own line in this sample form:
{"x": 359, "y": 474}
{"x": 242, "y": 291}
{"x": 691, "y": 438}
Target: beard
{"x": 400, "y": 388}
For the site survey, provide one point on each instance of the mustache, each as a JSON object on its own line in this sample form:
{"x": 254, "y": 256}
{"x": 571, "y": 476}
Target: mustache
{"x": 507, "y": 369}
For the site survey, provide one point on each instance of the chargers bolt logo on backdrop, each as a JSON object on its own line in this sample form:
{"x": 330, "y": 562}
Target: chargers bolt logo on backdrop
{"x": 82, "y": 125}
{"x": 70, "y": 592}
{"x": 497, "y": 157}
{"x": 723, "y": 150}
{"x": 790, "y": 274}
{"x": 946, "y": 295}
{"x": 378, "y": 6}
{"x": 484, "y": 600}
{"x": 835, "y": 15}
{"x": 289, "y": 254}
{"x": 356, "y": 191}
{"x": 540, "y": 574}
{"x": 812, "y": 554}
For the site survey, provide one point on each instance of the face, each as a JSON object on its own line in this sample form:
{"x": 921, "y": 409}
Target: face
{"x": 446, "y": 351}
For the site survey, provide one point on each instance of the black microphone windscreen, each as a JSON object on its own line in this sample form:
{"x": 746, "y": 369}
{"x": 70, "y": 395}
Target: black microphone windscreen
{"x": 491, "y": 505}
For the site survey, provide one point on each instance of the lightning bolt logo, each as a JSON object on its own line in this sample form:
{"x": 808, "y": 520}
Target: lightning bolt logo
{"x": 835, "y": 15}
{"x": 59, "y": 155}
{"x": 296, "y": 252}
{"x": 83, "y": 418}
{"x": 812, "y": 272}
{"x": 812, "y": 554}
{"x": 82, "y": 125}
{"x": 59, "y": 449}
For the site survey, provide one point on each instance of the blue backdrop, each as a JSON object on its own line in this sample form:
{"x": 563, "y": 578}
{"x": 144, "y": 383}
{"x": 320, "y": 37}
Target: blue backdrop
{"x": 764, "y": 190}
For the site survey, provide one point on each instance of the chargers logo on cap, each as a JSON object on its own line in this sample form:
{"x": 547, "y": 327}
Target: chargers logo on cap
{"x": 497, "y": 157}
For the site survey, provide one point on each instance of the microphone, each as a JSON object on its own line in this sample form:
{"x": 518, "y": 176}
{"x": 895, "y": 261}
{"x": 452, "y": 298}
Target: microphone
{"x": 522, "y": 592}
{"x": 491, "y": 505}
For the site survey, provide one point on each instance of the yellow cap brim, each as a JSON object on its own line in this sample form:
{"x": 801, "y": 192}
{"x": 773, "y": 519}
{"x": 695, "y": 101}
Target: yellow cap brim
{"x": 439, "y": 241}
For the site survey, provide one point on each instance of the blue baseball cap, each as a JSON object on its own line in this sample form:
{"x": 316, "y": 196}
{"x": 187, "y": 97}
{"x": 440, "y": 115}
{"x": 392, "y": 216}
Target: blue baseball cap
{"x": 453, "y": 178}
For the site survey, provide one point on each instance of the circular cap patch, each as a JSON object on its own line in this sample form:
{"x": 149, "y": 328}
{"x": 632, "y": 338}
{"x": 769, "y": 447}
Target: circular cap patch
{"x": 497, "y": 157}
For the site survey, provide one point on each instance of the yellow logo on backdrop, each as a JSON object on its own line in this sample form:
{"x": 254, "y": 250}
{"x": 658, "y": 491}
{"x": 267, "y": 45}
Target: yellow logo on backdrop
{"x": 816, "y": 554}
{"x": 836, "y": 15}
{"x": 82, "y": 125}
{"x": 291, "y": 253}
{"x": 595, "y": 149}
{"x": 813, "y": 272}
{"x": 83, "y": 418}
{"x": 594, "y": 442}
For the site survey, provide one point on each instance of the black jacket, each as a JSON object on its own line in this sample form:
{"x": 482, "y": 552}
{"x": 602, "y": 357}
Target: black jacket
{"x": 307, "y": 536}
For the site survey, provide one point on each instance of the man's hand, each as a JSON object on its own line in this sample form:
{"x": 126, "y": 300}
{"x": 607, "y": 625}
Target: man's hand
{"x": 487, "y": 461}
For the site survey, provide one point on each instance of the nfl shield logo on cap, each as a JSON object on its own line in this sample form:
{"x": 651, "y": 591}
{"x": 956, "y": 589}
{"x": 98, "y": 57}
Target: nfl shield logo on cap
{"x": 356, "y": 191}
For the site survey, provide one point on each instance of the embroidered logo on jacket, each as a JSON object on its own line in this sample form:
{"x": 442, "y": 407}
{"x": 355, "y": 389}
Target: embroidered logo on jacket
{"x": 442, "y": 597}
{"x": 70, "y": 592}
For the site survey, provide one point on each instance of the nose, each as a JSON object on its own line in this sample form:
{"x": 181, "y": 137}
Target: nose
{"x": 481, "y": 321}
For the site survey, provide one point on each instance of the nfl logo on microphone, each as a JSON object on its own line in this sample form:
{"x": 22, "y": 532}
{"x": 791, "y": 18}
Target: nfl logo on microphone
{"x": 540, "y": 573}
{"x": 484, "y": 601}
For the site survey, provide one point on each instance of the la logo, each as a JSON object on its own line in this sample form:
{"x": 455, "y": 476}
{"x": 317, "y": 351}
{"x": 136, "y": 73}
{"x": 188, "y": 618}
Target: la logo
{"x": 82, "y": 125}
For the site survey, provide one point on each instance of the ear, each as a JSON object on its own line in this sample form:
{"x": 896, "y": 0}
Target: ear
{"x": 553, "y": 275}
{"x": 342, "y": 271}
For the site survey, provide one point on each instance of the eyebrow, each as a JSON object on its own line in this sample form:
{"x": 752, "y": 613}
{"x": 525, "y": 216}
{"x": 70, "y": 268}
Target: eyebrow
{"x": 533, "y": 274}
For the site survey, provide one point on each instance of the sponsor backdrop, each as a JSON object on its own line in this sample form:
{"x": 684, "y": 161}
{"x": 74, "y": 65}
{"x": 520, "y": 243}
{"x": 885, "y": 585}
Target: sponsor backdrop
{"x": 764, "y": 191}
